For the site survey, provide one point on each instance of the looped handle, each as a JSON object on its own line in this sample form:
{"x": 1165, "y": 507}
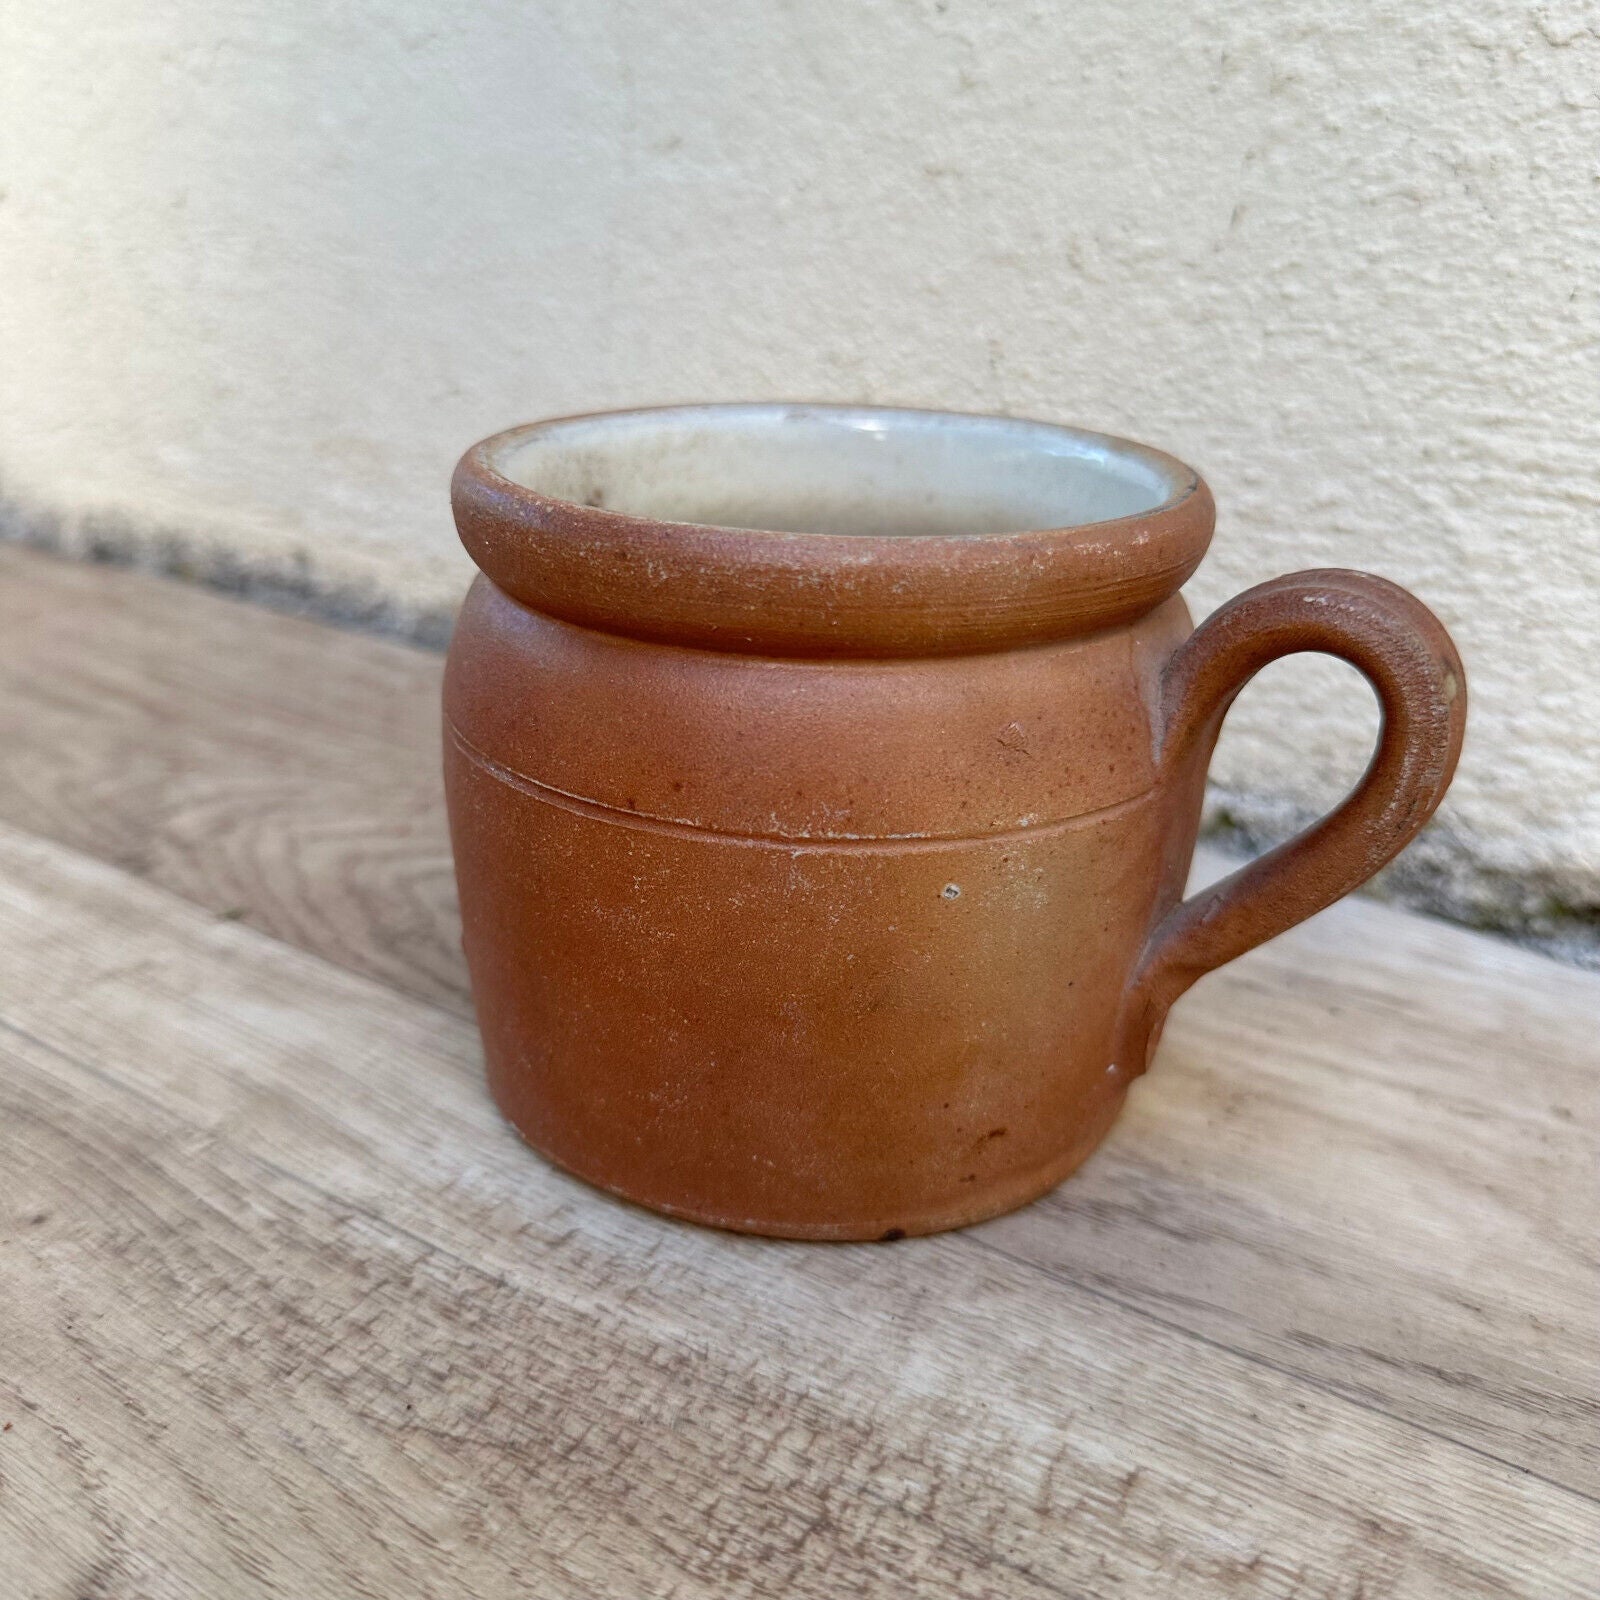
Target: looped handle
{"x": 1406, "y": 655}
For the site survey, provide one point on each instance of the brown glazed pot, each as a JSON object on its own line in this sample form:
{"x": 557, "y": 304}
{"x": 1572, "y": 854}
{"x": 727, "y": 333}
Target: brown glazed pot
{"x": 824, "y": 880}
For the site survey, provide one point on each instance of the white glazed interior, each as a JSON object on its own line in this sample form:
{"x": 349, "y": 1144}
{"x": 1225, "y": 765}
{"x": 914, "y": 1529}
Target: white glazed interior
{"x": 838, "y": 469}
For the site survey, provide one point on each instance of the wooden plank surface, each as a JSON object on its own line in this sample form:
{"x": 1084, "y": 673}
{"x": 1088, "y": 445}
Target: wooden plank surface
{"x": 1335, "y": 1268}
{"x": 292, "y": 1312}
{"x": 265, "y": 767}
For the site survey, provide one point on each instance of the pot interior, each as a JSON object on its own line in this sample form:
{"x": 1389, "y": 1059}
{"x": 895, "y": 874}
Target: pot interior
{"x": 840, "y": 469}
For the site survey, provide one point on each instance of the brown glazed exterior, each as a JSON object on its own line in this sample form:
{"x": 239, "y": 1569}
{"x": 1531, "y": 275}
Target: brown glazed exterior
{"x": 827, "y": 885}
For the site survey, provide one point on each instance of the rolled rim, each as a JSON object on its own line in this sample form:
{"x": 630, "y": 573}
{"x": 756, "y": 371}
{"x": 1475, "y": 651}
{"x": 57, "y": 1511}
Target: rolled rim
{"x": 818, "y": 592}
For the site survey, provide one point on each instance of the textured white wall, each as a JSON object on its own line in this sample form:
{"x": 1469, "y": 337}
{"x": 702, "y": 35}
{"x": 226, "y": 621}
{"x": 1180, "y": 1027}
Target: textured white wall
{"x": 268, "y": 265}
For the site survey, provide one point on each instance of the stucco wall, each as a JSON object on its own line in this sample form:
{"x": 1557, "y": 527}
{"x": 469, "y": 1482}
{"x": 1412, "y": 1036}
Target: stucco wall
{"x": 268, "y": 267}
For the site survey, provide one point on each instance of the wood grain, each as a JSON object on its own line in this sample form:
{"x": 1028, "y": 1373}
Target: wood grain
{"x": 1361, "y": 1178}
{"x": 291, "y": 1312}
{"x": 267, "y": 768}
{"x": 1367, "y": 1155}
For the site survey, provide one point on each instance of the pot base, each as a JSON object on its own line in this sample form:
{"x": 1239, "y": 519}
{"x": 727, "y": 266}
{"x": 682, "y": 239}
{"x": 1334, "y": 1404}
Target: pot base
{"x": 1008, "y": 1194}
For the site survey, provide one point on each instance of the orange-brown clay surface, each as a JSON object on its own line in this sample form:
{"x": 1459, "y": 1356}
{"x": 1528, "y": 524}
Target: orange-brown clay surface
{"x": 825, "y": 884}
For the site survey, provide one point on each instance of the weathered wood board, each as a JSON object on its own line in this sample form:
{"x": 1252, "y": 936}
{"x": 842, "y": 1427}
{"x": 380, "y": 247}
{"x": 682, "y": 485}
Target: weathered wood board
{"x": 285, "y": 1309}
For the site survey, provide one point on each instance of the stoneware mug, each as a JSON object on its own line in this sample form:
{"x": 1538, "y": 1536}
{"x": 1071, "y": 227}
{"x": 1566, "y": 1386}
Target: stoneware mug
{"x": 823, "y": 782}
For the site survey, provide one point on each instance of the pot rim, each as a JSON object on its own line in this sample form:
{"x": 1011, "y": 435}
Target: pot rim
{"x": 746, "y": 589}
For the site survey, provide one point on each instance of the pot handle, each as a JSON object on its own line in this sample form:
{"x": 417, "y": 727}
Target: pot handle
{"x": 1405, "y": 654}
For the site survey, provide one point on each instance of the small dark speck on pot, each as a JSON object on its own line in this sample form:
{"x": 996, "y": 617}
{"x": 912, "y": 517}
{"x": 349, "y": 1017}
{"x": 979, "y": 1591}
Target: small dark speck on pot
{"x": 892, "y": 1235}
{"x": 951, "y": 891}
